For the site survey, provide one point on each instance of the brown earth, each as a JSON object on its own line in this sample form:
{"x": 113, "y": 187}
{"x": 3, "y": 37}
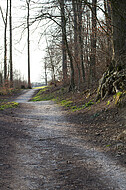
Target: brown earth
{"x": 25, "y": 148}
{"x": 100, "y": 123}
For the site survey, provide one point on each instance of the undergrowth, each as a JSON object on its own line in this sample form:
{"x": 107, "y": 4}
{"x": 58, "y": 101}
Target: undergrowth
{"x": 59, "y": 96}
{"x": 5, "y": 105}
{"x": 6, "y": 91}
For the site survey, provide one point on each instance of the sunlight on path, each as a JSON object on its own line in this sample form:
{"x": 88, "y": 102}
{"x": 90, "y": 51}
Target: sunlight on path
{"x": 26, "y": 96}
{"x": 46, "y": 152}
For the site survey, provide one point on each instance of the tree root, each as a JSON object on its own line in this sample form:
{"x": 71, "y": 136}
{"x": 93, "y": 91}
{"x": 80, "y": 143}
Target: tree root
{"x": 111, "y": 82}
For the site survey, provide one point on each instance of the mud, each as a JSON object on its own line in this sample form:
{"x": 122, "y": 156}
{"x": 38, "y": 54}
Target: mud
{"x": 40, "y": 150}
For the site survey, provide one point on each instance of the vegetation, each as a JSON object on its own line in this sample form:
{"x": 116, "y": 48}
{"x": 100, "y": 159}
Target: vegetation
{"x": 5, "y": 105}
{"x": 84, "y": 50}
{"x": 7, "y": 90}
{"x": 62, "y": 96}
{"x": 78, "y": 101}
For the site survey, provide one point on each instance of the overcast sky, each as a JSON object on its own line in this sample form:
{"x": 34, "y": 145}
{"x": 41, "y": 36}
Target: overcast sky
{"x": 20, "y": 46}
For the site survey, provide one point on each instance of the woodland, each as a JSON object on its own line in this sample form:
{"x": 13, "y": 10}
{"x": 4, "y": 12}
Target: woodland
{"x": 84, "y": 64}
{"x": 84, "y": 50}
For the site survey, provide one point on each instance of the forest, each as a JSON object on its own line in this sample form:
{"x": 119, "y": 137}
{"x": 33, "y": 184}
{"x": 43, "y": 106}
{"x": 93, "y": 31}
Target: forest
{"x": 70, "y": 133}
{"x": 85, "y": 43}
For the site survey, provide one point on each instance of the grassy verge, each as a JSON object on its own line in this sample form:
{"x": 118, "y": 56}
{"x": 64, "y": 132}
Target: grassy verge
{"x": 40, "y": 87}
{"x": 70, "y": 101}
{"x": 5, "y": 105}
{"x": 6, "y": 93}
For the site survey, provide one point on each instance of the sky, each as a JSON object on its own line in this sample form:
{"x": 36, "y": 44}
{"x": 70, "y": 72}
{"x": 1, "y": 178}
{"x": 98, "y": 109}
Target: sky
{"x": 37, "y": 44}
{"x": 37, "y": 47}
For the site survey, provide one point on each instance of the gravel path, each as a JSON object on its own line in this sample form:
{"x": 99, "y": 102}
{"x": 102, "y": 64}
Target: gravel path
{"x": 40, "y": 150}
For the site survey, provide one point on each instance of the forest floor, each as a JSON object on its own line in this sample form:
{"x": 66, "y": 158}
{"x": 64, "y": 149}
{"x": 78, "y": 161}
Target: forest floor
{"x": 101, "y": 122}
{"x": 70, "y": 143}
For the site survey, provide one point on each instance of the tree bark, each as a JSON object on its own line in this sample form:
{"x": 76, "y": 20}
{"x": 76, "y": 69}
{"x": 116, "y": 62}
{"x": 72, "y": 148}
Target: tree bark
{"x": 64, "y": 52}
{"x": 72, "y": 82}
{"x": 119, "y": 29}
{"x": 28, "y": 41}
{"x": 11, "y": 64}
{"x": 114, "y": 80}
{"x": 109, "y": 31}
{"x": 76, "y": 43}
{"x": 80, "y": 38}
{"x": 5, "y": 45}
{"x": 5, "y": 39}
{"x": 93, "y": 42}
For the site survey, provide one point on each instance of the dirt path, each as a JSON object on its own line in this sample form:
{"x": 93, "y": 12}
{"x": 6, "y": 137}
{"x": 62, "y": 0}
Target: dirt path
{"x": 40, "y": 150}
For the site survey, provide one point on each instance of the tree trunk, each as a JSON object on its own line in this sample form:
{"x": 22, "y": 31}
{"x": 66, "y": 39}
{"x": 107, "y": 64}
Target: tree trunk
{"x": 72, "y": 83}
{"x": 76, "y": 43}
{"x": 109, "y": 31}
{"x": 5, "y": 45}
{"x": 114, "y": 80}
{"x": 64, "y": 53}
{"x": 119, "y": 29}
{"x": 11, "y": 65}
{"x": 80, "y": 38}
{"x": 5, "y": 39}
{"x": 46, "y": 81}
{"x": 93, "y": 42}
{"x": 28, "y": 41}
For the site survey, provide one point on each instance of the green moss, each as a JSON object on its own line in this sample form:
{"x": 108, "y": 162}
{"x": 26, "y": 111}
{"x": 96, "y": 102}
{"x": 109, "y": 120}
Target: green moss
{"x": 58, "y": 96}
{"x": 108, "y": 103}
{"x": 6, "y": 105}
{"x": 88, "y": 104}
{"x": 120, "y": 99}
{"x": 66, "y": 103}
{"x": 117, "y": 97}
{"x": 47, "y": 93}
{"x": 43, "y": 98}
{"x": 108, "y": 145}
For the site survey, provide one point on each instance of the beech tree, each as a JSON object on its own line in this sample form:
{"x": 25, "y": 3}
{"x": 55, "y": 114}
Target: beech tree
{"x": 93, "y": 42}
{"x": 85, "y": 38}
{"x": 11, "y": 64}
{"x": 64, "y": 51}
{"x": 114, "y": 80}
{"x": 5, "y": 39}
{"x": 28, "y": 40}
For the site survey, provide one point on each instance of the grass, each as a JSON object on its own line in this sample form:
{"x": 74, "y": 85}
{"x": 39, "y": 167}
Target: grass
{"x": 6, "y": 105}
{"x": 39, "y": 96}
{"x": 40, "y": 87}
{"x": 59, "y": 96}
{"x": 66, "y": 103}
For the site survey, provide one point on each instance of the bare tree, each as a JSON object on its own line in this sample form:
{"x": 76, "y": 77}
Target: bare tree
{"x": 11, "y": 64}
{"x": 28, "y": 40}
{"x": 64, "y": 53}
{"x": 76, "y": 43}
{"x": 80, "y": 37}
{"x": 93, "y": 42}
{"x": 5, "y": 39}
